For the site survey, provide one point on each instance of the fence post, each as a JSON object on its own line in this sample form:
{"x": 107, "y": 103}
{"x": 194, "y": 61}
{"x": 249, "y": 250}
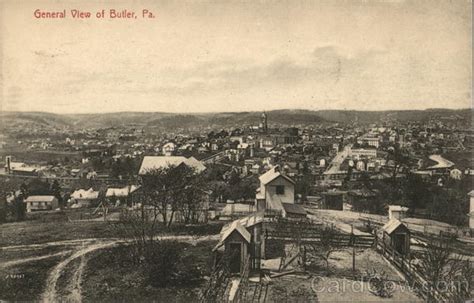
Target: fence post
{"x": 353, "y": 248}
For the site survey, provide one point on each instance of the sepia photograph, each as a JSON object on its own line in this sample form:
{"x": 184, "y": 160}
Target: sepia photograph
{"x": 236, "y": 151}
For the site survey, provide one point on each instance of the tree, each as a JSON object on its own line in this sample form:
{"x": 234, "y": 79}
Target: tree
{"x": 38, "y": 187}
{"x": 399, "y": 158}
{"x": 325, "y": 247}
{"x": 441, "y": 267}
{"x": 416, "y": 193}
{"x": 449, "y": 206}
{"x": 166, "y": 189}
{"x": 56, "y": 191}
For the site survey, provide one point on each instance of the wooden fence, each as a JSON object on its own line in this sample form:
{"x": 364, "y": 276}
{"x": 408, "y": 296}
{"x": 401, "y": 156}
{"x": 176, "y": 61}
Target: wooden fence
{"x": 314, "y": 236}
{"x": 413, "y": 273}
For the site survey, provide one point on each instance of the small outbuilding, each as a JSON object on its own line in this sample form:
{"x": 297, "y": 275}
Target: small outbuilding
{"x": 242, "y": 241}
{"x": 236, "y": 240}
{"x": 397, "y": 236}
{"x": 397, "y": 212}
{"x": 333, "y": 200}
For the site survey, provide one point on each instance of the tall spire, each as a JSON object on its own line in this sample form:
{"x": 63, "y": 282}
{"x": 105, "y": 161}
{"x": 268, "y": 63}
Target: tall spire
{"x": 264, "y": 121}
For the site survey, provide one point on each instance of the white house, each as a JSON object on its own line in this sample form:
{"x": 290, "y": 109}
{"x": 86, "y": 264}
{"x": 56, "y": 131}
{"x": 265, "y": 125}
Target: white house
{"x": 455, "y": 174}
{"x": 119, "y": 194}
{"x": 84, "y": 198}
{"x": 275, "y": 191}
{"x": 39, "y": 203}
{"x": 150, "y": 163}
{"x": 169, "y": 148}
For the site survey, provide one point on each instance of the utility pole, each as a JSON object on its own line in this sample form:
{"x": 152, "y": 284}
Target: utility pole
{"x": 353, "y": 248}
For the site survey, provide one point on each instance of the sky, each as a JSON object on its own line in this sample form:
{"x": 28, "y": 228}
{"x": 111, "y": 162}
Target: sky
{"x": 211, "y": 56}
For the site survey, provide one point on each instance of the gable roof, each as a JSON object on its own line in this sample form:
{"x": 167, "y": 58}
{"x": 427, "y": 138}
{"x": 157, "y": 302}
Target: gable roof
{"x": 240, "y": 225}
{"x": 40, "y": 198}
{"x": 120, "y": 192}
{"x": 272, "y": 174}
{"x": 392, "y": 225}
{"x": 229, "y": 229}
{"x": 157, "y": 162}
{"x": 89, "y": 194}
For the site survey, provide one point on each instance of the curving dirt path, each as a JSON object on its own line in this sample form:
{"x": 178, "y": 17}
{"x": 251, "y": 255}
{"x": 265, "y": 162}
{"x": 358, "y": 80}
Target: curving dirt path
{"x": 37, "y": 258}
{"x": 50, "y": 293}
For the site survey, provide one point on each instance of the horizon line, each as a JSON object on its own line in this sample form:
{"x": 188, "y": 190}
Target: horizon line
{"x": 241, "y": 111}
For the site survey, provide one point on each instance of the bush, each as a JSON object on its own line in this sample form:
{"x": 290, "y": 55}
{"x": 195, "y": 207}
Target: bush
{"x": 165, "y": 264}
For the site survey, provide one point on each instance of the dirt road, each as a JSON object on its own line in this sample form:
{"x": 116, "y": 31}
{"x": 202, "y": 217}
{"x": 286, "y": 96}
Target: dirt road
{"x": 76, "y": 250}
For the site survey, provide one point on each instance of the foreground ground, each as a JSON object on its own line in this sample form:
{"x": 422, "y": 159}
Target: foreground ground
{"x": 88, "y": 270}
{"x": 47, "y": 258}
{"x": 340, "y": 283}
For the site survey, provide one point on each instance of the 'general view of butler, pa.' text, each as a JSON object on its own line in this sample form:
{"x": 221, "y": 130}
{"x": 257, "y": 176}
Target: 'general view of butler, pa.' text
{"x": 236, "y": 151}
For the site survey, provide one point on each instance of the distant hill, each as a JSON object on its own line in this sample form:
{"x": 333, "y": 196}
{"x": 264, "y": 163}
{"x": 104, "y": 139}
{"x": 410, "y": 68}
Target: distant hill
{"x": 171, "y": 121}
{"x": 33, "y": 119}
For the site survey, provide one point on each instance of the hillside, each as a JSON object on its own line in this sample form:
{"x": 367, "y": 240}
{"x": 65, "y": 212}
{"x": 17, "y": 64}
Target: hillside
{"x": 164, "y": 120}
{"x": 33, "y": 119}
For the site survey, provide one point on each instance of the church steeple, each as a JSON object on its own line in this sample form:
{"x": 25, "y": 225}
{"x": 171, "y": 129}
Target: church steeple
{"x": 264, "y": 121}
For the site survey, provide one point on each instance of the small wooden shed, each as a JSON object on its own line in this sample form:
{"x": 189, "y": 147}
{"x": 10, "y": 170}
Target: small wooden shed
{"x": 397, "y": 236}
{"x": 236, "y": 241}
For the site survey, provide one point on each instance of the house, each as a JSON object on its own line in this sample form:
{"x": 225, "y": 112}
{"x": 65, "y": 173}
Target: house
{"x": 84, "y": 198}
{"x": 40, "y": 203}
{"x": 150, "y": 163}
{"x": 397, "y": 236}
{"x": 359, "y": 153}
{"x": 275, "y": 190}
{"x": 20, "y": 168}
{"x": 119, "y": 194}
{"x": 455, "y": 174}
{"x": 169, "y": 148}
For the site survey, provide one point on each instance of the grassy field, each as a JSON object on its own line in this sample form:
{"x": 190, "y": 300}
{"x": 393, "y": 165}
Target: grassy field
{"x": 55, "y": 226}
{"x": 111, "y": 276}
{"x": 25, "y": 282}
{"x": 31, "y": 232}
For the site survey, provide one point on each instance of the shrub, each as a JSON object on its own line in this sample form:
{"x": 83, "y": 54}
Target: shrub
{"x": 379, "y": 284}
{"x": 165, "y": 264}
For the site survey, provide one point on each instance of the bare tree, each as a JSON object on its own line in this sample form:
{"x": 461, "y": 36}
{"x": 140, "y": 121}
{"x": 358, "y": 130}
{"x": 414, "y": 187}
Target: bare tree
{"x": 325, "y": 247}
{"x": 445, "y": 271}
{"x": 164, "y": 189}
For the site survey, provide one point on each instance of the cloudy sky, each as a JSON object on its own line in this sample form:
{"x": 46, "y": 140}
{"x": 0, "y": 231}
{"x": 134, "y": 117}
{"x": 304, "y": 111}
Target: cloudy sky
{"x": 199, "y": 56}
